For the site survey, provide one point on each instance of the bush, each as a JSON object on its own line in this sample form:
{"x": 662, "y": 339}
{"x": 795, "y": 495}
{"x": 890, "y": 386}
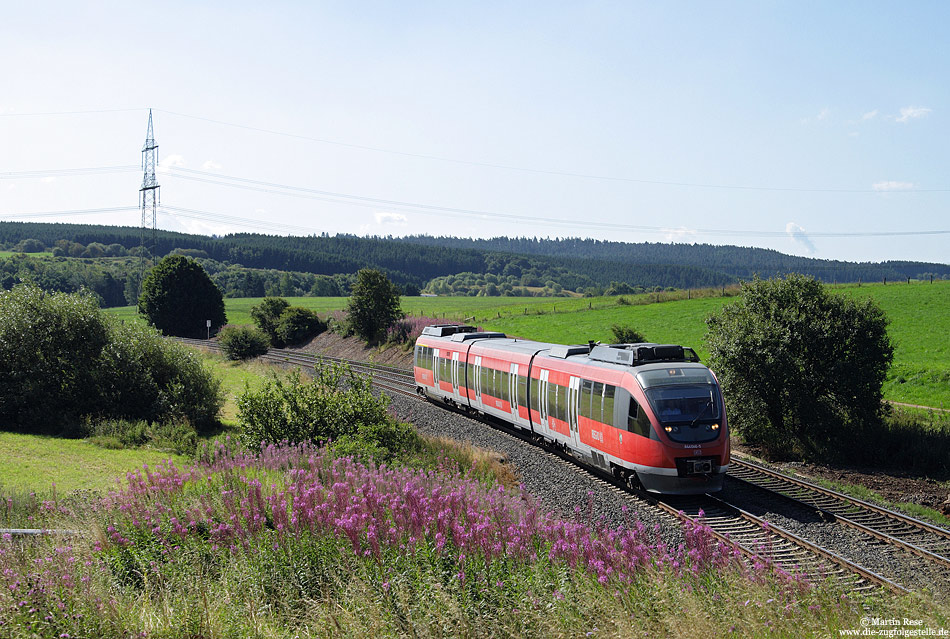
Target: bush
{"x": 386, "y": 441}
{"x": 62, "y": 360}
{"x": 266, "y": 316}
{"x": 627, "y": 334}
{"x": 297, "y": 325}
{"x": 801, "y": 370}
{"x": 29, "y": 245}
{"x": 336, "y": 402}
{"x": 243, "y": 342}
{"x": 175, "y": 436}
{"x": 49, "y": 343}
{"x": 146, "y": 376}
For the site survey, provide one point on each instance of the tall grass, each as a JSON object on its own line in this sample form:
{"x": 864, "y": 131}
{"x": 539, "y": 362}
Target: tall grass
{"x": 293, "y": 542}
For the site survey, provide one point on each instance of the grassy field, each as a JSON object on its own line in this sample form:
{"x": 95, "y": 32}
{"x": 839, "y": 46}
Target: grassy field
{"x": 919, "y": 316}
{"x": 33, "y": 463}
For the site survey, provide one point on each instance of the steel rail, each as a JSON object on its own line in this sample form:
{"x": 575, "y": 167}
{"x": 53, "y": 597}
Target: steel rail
{"x": 742, "y": 523}
{"x": 913, "y": 535}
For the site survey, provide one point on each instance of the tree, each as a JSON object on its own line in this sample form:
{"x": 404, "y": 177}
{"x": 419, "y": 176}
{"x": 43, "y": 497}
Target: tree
{"x": 266, "y": 316}
{"x": 298, "y": 324}
{"x": 627, "y": 334}
{"x": 178, "y": 298}
{"x": 801, "y": 370}
{"x": 373, "y": 305}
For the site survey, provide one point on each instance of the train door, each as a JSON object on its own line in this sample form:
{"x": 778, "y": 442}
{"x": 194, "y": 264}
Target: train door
{"x": 456, "y": 390}
{"x": 543, "y": 397}
{"x": 513, "y": 392}
{"x": 573, "y": 402}
{"x": 435, "y": 369}
{"x": 477, "y": 383}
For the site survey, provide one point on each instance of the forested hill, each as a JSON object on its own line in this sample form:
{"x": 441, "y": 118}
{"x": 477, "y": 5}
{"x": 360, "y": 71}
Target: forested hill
{"x": 735, "y": 261}
{"x": 573, "y": 264}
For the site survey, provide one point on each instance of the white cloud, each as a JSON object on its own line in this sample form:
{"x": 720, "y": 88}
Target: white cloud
{"x": 48, "y": 180}
{"x": 171, "y": 160}
{"x": 797, "y": 233}
{"x": 386, "y": 218}
{"x": 822, "y": 115}
{"x": 892, "y": 185}
{"x": 680, "y": 235}
{"x": 870, "y": 115}
{"x": 912, "y": 113}
{"x": 211, "y": 165}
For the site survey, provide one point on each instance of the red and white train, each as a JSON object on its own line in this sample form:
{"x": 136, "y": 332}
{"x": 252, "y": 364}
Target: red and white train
{"x": 651, "y": 414}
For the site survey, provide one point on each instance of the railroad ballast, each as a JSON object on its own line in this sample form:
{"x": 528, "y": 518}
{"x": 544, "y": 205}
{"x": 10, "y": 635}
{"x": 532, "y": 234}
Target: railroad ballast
{"x": 651, "y": 414}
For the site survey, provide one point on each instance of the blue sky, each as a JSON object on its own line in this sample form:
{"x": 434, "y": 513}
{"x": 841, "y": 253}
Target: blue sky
{"x": 812, "y": 128}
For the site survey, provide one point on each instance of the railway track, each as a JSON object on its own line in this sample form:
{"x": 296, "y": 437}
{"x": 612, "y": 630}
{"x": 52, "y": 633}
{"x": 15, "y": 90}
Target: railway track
{"x": 897, "y": 529}
{"x": 755, "y": 538}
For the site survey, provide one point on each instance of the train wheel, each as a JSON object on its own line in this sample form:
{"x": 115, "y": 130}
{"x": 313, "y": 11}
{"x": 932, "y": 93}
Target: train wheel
{"x": 633, "y": 482}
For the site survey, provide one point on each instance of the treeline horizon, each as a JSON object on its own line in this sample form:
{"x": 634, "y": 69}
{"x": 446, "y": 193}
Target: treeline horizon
{"x": 416, "y": 262}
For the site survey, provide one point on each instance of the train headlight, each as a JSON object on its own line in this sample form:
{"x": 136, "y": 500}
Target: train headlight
{"x": 668, "y": 429}
{"x": 715, "y": 426}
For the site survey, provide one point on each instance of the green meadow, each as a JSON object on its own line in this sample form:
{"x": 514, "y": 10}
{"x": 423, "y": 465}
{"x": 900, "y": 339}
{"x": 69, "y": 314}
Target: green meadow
{"x": 919, "y": 315}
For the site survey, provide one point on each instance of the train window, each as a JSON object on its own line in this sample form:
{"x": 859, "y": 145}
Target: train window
{"x": 486, "y": 380}
{"x": 586, "y": 387}
{"x": 560, "y": 402}
{"x": 445, "y": 368}
{"x": 637, "y": 420}
{"x": 470, "y": 376}
{"x": 522, "y": 390}
{"x": 535, "y": 395}
{"x": 597, "y": 402}
{"x": 609, "y": 404}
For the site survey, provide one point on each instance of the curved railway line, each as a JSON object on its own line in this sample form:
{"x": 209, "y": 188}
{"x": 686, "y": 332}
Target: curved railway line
{"x": 754, "y": 537}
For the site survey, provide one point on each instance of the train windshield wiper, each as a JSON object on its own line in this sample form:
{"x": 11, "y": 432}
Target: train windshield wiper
{"x": 707, "y": 406}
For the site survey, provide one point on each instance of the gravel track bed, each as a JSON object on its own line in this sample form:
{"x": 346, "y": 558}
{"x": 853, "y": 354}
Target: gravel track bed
{"x": 906, "y": 569}
{"x": 552, "y": 482}
{"x": 560, "y": 489}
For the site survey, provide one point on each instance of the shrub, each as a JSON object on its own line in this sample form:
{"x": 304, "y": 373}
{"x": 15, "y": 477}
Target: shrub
{"x": 63, "y": 360}
{"x": 266, "y": 316}
{"x": 49, "y": 343}
{"x": 146, "y": 376}
{"x": 29, "y": 245}
{"x": 175, "y": 436}
{"x": 801, "y": 370}
{"x": 627, "y": 334}
{"x": 386, "y": 441}
{"x": 243, "y": 342}
{"x": 298, "y": 324}
{"x": 334, "y": 403}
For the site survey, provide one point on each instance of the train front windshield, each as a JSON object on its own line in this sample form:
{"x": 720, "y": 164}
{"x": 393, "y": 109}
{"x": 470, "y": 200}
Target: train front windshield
{"x": 685, "y": 401}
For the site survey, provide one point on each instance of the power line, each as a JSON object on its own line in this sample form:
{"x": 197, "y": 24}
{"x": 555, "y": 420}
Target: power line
{"x": 234, "y": 220}
{"x": 43, "y": 173}
{"x": 358, "y": 200}
{"x": 493, "y": 165}
{"x": 115, "y": 209}
{"x": 587, "y": 176}
{"x": 42, "y": 113}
